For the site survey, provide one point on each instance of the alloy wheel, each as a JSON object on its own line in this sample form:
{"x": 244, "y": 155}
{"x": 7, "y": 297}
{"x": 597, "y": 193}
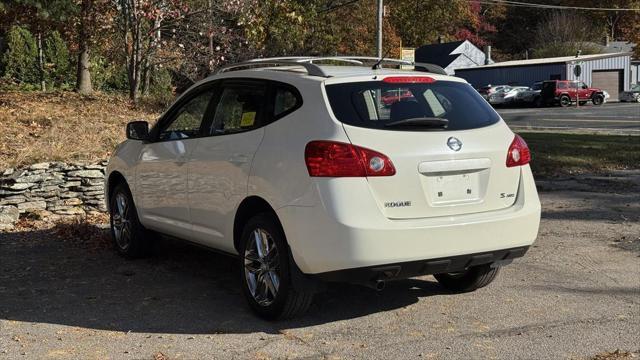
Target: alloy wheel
{"x": 262, "y": 267}
{"x": 120, "y": 221}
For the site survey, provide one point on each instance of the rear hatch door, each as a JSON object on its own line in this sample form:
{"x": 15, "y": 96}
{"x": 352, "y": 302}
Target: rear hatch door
{"x": 441, "y": 170}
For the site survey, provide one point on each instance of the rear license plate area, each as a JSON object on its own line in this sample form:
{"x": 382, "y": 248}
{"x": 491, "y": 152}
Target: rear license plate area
{"x": 448, "y": 189}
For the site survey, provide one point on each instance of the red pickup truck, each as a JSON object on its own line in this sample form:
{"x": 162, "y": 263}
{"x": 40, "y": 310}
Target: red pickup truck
{"x": 567, "y": 92}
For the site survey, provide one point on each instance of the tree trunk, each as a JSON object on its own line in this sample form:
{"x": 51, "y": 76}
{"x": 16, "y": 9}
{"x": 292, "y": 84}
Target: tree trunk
{"x": 83, "y": 84}
{"x": 43, "y": 84}
{"x": 211, "y": 25}
{"x": 146, "y": 78}
{"x": 148, "y": 67}
{"x": 135, "y": 64}
{"x": 83, "y": 78}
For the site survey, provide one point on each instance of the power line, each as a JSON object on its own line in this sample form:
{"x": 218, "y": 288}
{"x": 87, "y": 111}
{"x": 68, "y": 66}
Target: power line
{"x": 547, "y": 6}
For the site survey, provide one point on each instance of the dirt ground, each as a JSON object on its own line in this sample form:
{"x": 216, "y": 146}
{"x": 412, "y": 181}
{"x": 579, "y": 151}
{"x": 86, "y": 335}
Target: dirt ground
{"x": 575, "y": 295}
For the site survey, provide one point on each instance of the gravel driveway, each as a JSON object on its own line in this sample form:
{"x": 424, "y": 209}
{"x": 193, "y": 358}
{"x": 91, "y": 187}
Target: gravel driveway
{"x": 576, "y": 294}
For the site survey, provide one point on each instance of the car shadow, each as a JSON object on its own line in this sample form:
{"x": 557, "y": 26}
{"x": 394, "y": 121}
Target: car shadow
{"x": 62, "y": 276}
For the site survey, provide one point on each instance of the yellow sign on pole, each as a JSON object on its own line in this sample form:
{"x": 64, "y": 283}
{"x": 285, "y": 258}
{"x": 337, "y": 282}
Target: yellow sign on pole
{"x": 407, "y": 54}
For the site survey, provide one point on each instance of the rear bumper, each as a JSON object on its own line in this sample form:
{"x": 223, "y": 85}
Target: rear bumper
{"x": 352, "y": 235}
{"x": 421, "y": 267}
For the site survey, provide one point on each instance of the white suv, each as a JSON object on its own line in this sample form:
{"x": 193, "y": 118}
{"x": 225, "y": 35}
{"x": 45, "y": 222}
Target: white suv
{"x": 337, "y": 172}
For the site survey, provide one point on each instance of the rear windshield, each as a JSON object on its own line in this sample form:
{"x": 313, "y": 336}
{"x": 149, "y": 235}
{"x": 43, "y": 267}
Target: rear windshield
{"x": 374, "y": 104}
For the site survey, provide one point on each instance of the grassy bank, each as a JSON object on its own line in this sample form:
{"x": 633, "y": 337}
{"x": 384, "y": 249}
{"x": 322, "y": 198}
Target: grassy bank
{"x": 63, "y": 126}
{"x": 557, "y": 154}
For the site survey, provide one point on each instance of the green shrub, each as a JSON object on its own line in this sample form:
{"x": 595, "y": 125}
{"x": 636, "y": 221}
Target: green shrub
{"x": 108, "y": 75}
{"x": 20, "y": 62}
{"x": 57, "y": 64}
{"x": 161, "y": 87}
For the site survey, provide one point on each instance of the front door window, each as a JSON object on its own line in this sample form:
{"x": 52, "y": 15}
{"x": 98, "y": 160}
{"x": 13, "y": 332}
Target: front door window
{"x": 187, "y": 119}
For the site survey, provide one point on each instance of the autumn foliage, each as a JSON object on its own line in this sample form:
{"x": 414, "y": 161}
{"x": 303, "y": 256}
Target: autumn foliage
{"x": 158, "y": 47}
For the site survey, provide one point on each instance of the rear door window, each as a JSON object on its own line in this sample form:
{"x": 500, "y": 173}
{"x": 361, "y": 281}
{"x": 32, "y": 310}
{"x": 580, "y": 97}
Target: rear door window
{"x": 374, "y": 104}
{"x": 240, "y": 108}
{"x": 286, "y": 101}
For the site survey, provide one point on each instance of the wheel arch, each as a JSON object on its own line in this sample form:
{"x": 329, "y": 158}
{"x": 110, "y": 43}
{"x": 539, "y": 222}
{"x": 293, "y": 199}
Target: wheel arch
{"x": 115, "y": 178}
{"x": 249, "y": 207}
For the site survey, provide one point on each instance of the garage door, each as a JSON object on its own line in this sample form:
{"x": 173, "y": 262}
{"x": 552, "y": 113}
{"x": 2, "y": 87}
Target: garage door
{"x": 608, "y": 80}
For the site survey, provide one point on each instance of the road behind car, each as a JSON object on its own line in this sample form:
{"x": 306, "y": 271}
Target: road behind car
{"x": 619, "y": 118}
{"x": 65, "y": 294}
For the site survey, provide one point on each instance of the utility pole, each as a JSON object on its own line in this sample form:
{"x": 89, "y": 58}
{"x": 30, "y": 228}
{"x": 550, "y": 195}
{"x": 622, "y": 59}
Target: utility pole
{"x": 379, "y": 37}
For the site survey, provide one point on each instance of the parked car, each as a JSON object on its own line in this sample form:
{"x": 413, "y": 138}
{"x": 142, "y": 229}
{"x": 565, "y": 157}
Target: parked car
{"x": 307, "y": 177}
{"x": 392, "y": 96}
{"x": 531, "y": 96}
{"x": 566, "y": 92}
{"x": 633, "y": 95}
{"x": 486, "y": 91}
{"x": 506, "y": 95}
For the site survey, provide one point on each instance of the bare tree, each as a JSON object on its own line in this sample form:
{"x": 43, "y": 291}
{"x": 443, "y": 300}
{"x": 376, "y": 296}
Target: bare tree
{"x": 563, "y": 34}
{"x": 192, "y": 41}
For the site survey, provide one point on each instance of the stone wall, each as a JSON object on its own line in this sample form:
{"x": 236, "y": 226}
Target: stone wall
{"x": 51, "y": 188}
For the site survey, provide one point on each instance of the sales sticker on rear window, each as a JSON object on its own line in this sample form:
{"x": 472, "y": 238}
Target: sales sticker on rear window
{"x": 248, "y": 119}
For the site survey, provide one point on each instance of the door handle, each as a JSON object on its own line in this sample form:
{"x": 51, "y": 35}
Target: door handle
{"x": 238, "y": 159}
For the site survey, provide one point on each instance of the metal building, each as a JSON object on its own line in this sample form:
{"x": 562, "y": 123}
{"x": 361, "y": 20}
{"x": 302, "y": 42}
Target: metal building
{"x": 635, "y": 71}
{"x": 452, "y": 55}
{"x": 610, "y": 72}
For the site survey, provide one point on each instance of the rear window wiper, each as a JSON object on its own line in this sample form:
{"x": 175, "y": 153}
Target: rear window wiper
{"x": 431, "y": 122}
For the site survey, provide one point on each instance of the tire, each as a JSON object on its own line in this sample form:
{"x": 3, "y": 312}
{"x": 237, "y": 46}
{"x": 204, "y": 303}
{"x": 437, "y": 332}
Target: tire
{"x": 130, "y": 238}
{"x": 471, "y": 279}
{"x": 565, "y": 101}
{"x": 266, "y": 276}
{"x": 597, "y": 99}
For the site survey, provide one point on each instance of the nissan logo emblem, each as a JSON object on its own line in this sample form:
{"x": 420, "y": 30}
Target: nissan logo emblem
{"x": 454, "y": 144}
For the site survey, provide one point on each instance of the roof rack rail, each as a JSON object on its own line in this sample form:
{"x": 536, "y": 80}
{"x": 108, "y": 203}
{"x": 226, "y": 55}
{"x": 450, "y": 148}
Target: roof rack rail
{"x": 309, "y": 59}
{"x": 312, "y": 69}
{"x": 432, "y": 68}
{"x": 307, "y": 62}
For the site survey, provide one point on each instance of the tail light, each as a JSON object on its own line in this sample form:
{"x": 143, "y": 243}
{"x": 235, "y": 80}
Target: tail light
{"x": 336, "y": 159}
{"x": 518, "y": 153}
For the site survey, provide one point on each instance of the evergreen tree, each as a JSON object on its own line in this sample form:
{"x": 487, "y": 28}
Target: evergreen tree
{"x": 20, "y": 60}
{"x": 56, "y": 55}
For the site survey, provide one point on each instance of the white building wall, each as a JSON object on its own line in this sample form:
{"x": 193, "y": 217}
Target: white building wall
{"x": 461, "y": 62}
{"x": 474, "y": 55}
{"x": 635, "y": 74}
{"x": 613, "y": 63}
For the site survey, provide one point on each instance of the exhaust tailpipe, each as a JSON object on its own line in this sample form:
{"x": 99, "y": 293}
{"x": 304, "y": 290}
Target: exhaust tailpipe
{"x": 379, "y": 285}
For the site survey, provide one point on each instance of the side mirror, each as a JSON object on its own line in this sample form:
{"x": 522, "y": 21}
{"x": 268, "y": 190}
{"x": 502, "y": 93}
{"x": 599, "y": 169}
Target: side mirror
{"x": 138, "y": 130}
